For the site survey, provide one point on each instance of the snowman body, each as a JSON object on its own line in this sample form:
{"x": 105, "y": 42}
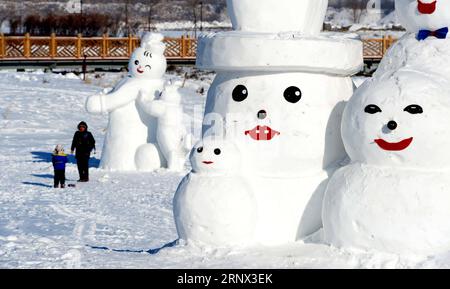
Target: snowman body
{"x": 130, "y": 142}
{"x": 213, "y": 205}
{"x": 400, "y": 211}
{"x": 130, "y": 128}
{"x": 171, "y": 134}
{"x": 279, "y": 96}
{"x": 215, "y": 211}
{"x": 431, "y": 55}
{"x": 395, "y": 195}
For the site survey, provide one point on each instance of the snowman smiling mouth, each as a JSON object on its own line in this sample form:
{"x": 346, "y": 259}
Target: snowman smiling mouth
{"x": 140, "y": 70}
{"x": 208, "y": 163}
{"x": 263, "y": 133}
{"x": 426, "y": 8}
{"x": 398, "y": 146}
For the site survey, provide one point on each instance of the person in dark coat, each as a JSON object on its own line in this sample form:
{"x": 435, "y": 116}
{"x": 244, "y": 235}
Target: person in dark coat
{"x": 83, "y": 143}
{"x": 59, "y": 160}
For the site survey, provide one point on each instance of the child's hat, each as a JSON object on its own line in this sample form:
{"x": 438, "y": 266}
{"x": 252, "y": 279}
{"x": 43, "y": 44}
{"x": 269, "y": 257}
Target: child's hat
{"x": 59, "y": 149}
{"x": 82, "y": 124}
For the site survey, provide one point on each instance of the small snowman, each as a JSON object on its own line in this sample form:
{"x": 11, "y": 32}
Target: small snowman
{"x": 425, "y": 18}
{"x": 395, "y": 194}
{"x": 171, "y": 135}
{"x": 213, "y": 204}
{"x": 131, "y": 136}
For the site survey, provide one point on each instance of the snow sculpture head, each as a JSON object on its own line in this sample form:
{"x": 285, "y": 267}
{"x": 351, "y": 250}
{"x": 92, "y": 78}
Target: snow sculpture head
{"x": 171, "y": 93}
{"x": 279, "y": 114}
{"x": 305, "y": 16}
{"x": 148, "y": 61}
{"x": 423, "y": 14}
{"x": 401, "y": 121}
{"x": 215, "y": 157}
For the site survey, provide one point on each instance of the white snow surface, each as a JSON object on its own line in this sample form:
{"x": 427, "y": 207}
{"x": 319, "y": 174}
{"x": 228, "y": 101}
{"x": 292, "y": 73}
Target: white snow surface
{"x": 42, "y": 227}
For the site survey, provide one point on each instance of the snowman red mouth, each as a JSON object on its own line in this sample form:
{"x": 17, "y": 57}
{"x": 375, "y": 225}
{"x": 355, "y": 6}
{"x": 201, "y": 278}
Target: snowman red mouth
{"x": 397, "y": 146}
{"x": 263, "y": 133}
{"x": 140, "y": 70}
{"x": 208, "y": 163}
{"x": 426, "y": 8}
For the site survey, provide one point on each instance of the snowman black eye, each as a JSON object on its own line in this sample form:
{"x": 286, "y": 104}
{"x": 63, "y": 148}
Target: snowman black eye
{"x": 240, "y": 93}
{"x": 372, "y": 109}
{"x": 136, "y": 62}
{"x": 414, "y": 109}
{"x": 200, "y": 150}
{"x": 217, "y": 152}
{"x": 293, "y": 94}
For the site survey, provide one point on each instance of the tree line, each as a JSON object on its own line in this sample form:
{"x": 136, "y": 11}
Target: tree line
{"x": 124, "y": 18}
{"x": 92, "y": 24}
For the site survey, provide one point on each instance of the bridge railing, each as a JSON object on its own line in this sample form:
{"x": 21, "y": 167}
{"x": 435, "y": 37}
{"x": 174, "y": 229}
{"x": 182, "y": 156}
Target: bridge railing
{"x": 375, "y": 48}
{"x": 73, "y": 48}
{"x": 53, "y": 47}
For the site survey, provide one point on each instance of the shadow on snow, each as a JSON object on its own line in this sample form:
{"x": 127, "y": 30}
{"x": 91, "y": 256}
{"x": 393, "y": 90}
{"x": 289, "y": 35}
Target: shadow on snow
{"x": 37, "y": 184}
{"x": 46, "y": 157}
{"x": 150, "y": 251}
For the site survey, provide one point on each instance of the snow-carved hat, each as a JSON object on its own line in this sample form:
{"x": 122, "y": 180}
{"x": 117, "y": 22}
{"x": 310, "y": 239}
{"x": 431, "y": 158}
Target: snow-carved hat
{"x": 304, "y": 16}
{"x": 280, "y": 36}
{"x": 153, "y": 42}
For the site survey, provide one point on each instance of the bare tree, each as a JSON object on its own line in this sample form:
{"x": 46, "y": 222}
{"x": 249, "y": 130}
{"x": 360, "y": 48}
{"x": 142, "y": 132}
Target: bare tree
{"x": 357, "y": 7}
{"x": 151, "y": 4}
{"x": 127, "y": 16}
{"x": 15, "y": 25}
{"x": 193, "y": 5}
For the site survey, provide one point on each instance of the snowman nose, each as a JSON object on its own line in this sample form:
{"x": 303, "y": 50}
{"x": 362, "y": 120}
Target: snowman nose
{"x": 262, "y": 114}
{"x": 392, "y": 125}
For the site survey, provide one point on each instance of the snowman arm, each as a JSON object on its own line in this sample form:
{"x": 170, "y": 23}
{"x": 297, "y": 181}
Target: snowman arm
{"x": 95, "y": 104}
{"x": 120, "y": 97}
{"x": 155, "y": 108}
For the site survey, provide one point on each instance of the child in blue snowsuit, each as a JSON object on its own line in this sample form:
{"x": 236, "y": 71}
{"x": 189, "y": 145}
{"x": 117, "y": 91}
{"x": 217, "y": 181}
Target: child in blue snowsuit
{"x": 59, "y": 160}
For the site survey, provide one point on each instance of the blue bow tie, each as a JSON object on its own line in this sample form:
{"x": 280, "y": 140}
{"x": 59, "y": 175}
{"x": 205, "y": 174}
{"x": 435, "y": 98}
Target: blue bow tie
{"x": 440, "y": 34}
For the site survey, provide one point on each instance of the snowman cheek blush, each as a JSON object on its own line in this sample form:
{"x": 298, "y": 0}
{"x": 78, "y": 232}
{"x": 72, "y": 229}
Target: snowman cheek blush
{"x": 426, "y": 8}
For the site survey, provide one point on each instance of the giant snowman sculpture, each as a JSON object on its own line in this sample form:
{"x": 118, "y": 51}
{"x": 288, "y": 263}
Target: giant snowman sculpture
{"x": 131, "y": 142}
{"x": 279, "y": 94}
{"x": 395, "y": 194}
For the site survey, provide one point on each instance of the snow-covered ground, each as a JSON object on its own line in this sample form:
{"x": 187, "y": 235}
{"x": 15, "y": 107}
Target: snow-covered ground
{"x": 42, "y": 227}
